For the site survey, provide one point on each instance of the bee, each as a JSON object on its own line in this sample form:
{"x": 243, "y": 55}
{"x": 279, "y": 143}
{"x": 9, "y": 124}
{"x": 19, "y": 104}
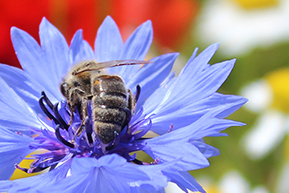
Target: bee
{"x": 87, "y": 83}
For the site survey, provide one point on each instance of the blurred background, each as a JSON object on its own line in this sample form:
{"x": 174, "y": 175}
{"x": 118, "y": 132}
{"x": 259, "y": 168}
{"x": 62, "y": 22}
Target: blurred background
{"x": 254, "y": 158}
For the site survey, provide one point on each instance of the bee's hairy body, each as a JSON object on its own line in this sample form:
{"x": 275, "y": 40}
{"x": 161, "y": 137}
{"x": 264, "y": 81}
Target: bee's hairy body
{"x": 112, "y": 104}
{"x": 109, "y": 103}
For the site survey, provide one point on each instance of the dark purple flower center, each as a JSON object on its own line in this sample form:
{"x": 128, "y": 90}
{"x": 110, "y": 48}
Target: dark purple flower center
{"x": 63, "y": 141}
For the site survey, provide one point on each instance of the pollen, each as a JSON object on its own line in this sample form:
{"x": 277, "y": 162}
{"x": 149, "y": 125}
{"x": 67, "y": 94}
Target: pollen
{"x": 279, "y": 83}
{"x": 25, "y": 163}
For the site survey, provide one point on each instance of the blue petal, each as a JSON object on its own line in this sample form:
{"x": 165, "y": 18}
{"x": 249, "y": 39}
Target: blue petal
{"x": 14, "y": 148}
{"x": 197, "y": 64}
{"x": 209, "y": 80}
{"x": 36, "y": 183}
{"x": 189, "y": 88}
{"x": 75, "y": 45}
{"x": 189, "y": 96}
{"x": 233, "y": 103}
{"x": 186, "y": 155}
{"x": 29, "y": 54}
{"x": 80, "y": 50}
{"x": 150, "y": 76}
{"x": 34, "y": 62}
{"x": 55, "y": 52}
{"x": 157, "y": 182}
{"x": 135, "y": 47}
{"x": 15, "y": 114}
{"x": 85, "y": 53}
{"x": 185, "y": 181}
{"x": 207, "y": 125}
{"x": 185, "y": 113}
{"x": 23, "y": 84}
{"x": 184, "y": 144}
{"x": 108, "y": 42}
{"x": 207, "y": 150}
{"x": 138, "y": 44}
{"x": 110, "y": 173}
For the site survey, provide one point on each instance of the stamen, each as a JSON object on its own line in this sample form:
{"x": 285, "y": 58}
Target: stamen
{"x": 61, "y": 139}
{"x": 30, "y": 170}
{"x": 128, "y": 116}
{"x": 62, "y": 123}
{"x": 20, "y": 168}
{"x": 157, "y": 160}
{"x": 136, "y": 117}
{"x": 138, "y": 162}
{"x": 48, "y": 102}
{"x": 123, "y": 132}
{"x": 171, "y": 128}
{"x": 136, "y": 96}
{"x": 136, "y": 125}
{"x": 45, "y": 110}
{"x": 143, "y": 132}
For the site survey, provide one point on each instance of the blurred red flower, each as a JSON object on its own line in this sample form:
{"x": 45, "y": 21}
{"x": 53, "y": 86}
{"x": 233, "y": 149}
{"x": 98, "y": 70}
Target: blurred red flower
{"x": 171, "y": 19}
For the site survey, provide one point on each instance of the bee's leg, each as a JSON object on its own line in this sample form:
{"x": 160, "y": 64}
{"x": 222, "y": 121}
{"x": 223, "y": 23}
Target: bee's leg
{"x": 74, "y": 95}
{"x": 133, "y": 100}
{"x": 83, "y": 115}
{"x": 127, "y": 120}
{"x": 71, "y": 109}
{"x": 129, "y": 110}
{"x": 130, "y": 100}
{"x": 85, "y": 119}
{"x": 136, "y": 96}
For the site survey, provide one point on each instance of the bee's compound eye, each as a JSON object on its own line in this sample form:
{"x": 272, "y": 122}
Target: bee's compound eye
{"x": 63, "y": 88}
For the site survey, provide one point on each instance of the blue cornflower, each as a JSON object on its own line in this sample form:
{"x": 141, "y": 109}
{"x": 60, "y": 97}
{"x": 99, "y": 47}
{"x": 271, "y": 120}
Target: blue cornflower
{"x": 180, "y": 110}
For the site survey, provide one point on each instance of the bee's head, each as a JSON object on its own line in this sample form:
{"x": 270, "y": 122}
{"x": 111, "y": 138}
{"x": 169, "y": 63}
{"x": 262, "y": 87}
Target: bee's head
{"x": 64, "y": 89}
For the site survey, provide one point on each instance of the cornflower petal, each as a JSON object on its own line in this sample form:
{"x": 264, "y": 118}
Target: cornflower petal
{"x": 27, "y": 89}
{"x": 108, "y": 42}
{"x": 32, "y": 57}
{"x": 13, "y": 107}
{"x": 75, "y": 46}
{"x": 86, "y": 52}
{"x": 111, "y": 173}
{"x": 138, "y": 43}
{"x": 150, "y": 76}
{"x": 196, "y": 88}
{"x": 184, "y": 116}
{"x": 207, "y": 150}
{"x": 56, "y": 49}
{"x": 190, "y": 158}
{"x": 185, "y": 181}
{"x": 14, "y": 147}
{"x": 35, "y": 183}
{"x": 79, "y": 50}
{"x": 157, "y": 180}
{"x": 181, "y": 144}
{"x": 136, "y": 47}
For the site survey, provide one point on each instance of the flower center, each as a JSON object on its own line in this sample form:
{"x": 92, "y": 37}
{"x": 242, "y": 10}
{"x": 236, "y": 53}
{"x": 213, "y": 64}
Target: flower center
{"x": 65, "y": 141}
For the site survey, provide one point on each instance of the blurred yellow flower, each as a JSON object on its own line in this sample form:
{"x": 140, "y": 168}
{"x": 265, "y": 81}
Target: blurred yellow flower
{"x": 279, "y": 83}
{"x": 252, "y": 4}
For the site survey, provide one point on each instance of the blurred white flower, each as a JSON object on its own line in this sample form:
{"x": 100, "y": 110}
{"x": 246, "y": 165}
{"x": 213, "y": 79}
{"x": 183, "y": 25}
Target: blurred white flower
{"x": 283, "y": 185}
{"x": 231, "y": 182}
{"x": 241, "y": 30}
{"x": 270, "y": 98}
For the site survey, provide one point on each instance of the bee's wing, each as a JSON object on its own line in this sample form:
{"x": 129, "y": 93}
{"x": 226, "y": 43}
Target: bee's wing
{"x": 93, "y": 66}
